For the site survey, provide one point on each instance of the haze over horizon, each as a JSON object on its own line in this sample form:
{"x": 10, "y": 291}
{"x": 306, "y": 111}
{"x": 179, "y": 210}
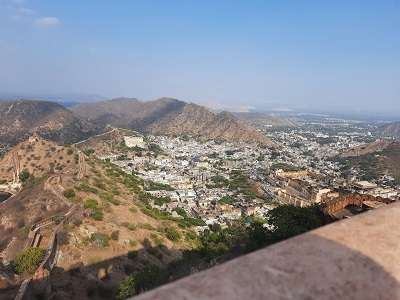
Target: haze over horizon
{"x": 199, "y": 149}
{"x": 342, "y": 56}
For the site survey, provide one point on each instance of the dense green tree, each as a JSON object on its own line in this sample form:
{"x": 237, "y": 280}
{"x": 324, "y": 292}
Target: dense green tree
{"x": 258, "y": 235}
{"x": 254, "y": 233}
{"x": 289, "y": 220}
{"x": 150, "y": 277}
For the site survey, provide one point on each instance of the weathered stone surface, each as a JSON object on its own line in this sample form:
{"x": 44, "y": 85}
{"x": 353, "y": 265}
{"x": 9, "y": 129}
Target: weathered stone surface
{"x": 358, "y": 258}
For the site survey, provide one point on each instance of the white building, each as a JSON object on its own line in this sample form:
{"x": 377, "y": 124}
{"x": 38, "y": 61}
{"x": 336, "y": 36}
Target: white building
{"x": 134, "y": 141}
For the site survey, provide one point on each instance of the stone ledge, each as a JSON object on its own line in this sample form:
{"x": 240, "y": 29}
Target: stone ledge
{"x": 358, "y": 258}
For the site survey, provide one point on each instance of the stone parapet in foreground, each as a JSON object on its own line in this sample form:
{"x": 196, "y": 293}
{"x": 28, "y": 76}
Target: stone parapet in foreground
{"x": 358, "y": 258}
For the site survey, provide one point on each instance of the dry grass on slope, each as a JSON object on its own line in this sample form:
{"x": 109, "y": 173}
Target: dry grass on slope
{"x": 112, "y": 227}
{"x": 38, "y": 157}
{"x": 116, "y": 214}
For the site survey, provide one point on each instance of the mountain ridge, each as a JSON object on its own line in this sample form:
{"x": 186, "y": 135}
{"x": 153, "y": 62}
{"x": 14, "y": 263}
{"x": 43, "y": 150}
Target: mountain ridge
{"x": 22, "y": 118}
{"x": 170, "y": 116}
{"x": 165, "y": 116}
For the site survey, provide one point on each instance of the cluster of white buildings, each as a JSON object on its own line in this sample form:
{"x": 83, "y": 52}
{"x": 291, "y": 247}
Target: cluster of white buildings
{"x": 188, "y": 168}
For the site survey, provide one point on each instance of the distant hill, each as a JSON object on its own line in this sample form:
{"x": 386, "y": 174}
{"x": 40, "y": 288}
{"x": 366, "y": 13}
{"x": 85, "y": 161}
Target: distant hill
{"x": 20, "y": 119}
{"x": 62, "y": 98}
{"x": 374, "y": 160}
{"x": 170, "y": 117}
{"x": 265, "y": 119}
{"x": 392, "y": 129}
{"x": 374, "y": 147}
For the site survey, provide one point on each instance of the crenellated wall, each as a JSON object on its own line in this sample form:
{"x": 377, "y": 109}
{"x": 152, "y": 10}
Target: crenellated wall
{"x": 336, "y": 205}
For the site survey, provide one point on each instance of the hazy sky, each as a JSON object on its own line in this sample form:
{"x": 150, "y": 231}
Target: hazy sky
{"x": 299, "y": 54}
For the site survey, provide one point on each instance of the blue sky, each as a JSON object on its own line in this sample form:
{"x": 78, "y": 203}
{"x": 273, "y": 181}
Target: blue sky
{"x": 317, "y": 55}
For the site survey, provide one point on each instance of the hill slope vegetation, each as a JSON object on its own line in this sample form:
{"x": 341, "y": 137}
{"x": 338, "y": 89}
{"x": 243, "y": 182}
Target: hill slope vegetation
{"x": 112, "y": 220}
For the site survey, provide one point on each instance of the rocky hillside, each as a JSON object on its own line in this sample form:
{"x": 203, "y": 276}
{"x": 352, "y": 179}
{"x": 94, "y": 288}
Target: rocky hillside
{"x": 35, "y": 163}
{"x": 37, "y": 157}
{"x": 392, "y": 129}
{"x": 20, "y": 119}
{"x": 127, "y": 112}
{"x": 170, "y": 117}
{"x": 111, "y": 230}
{"x": 373, "y": 160}
{"x": 366, "y": 149}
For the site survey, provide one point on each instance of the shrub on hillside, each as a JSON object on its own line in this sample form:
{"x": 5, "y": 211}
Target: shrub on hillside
{"x": 126, "y": 288}
{"x": 69, "y": 193}
{"x": 97, "y": 213}
{"x": 107, "y": 197}
{"x": 24, "y": 176}
{"x": 100, "y": 239}
{"x": 172, "y": 234}
{"x": 90, "y": 203}
{"x": 28, "y": 260}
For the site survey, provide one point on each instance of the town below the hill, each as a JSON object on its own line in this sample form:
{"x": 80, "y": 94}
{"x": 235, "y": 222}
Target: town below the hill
{"x": 219, "y": 181}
